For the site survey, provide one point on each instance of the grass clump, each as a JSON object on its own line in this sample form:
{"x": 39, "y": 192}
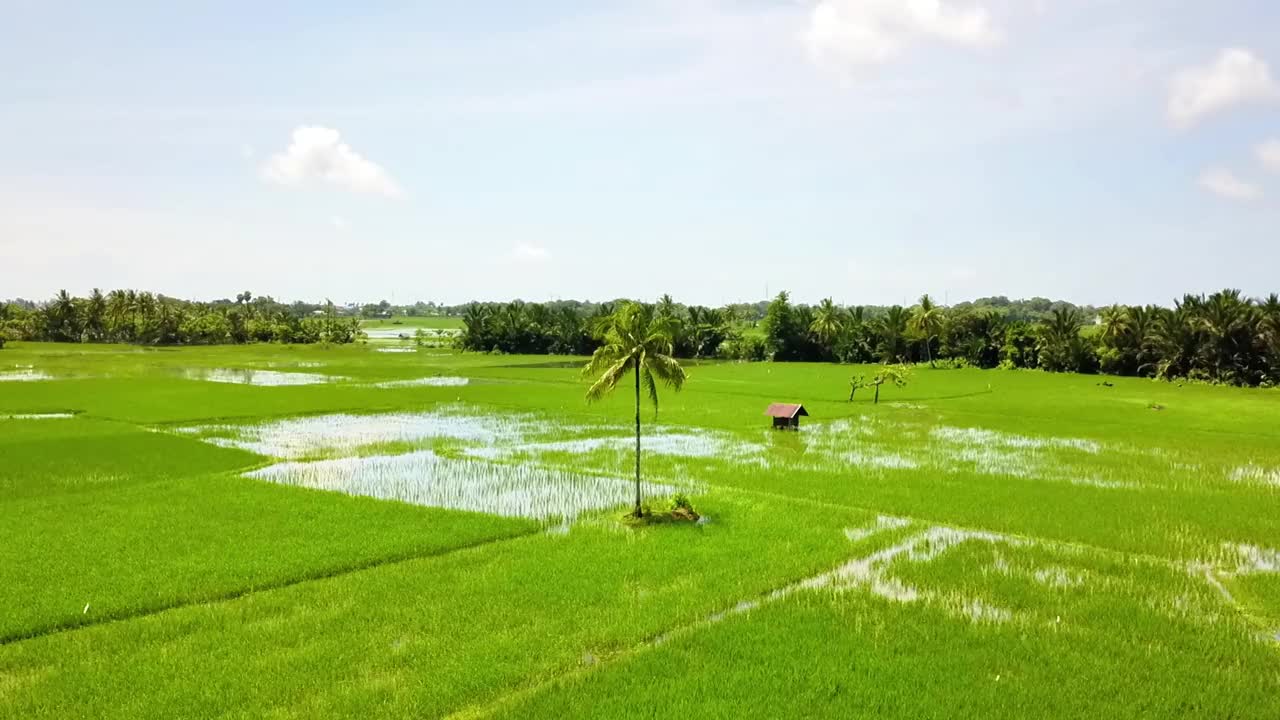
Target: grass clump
{"x": 680, "y": 510}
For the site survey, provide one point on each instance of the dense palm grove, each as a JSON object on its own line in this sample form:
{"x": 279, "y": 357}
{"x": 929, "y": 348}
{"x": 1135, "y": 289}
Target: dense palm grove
{"x": 128, "y": 316}
{"x": 1224, "y": 337}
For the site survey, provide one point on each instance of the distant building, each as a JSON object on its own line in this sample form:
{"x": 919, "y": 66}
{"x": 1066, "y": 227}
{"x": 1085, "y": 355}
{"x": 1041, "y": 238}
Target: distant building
{"x": 786, "y": 416}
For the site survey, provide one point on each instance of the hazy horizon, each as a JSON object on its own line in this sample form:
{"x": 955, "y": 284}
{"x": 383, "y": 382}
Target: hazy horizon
{"x": 908, "y": 301}
{"x": 864, "y": 149}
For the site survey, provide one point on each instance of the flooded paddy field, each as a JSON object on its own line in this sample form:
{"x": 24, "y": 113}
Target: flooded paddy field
{"x": 344, "y": 531}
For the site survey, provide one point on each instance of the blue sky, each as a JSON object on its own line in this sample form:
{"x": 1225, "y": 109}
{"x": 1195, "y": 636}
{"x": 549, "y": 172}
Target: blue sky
{"x": 870, "y": 150}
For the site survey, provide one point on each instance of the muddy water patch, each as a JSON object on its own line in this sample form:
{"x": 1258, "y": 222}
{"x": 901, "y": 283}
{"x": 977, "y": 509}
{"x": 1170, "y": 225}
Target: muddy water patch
{"x": 883, "y": 523}
{"x": 871, "y": 573}
{"x": 265, "y": 378}
{"x": 388, "y": 333}
{"x": 887, "y": 460}
{"x": 24, "y": 376}
{"x": 1057, "y": 577}
{"x": 1255, "y": 475}
{"x": 425, "y": 478}
{"x": 1097, "y": 482}
{"x": 877, "y": 444}
{"x": 438, "y": 381}
{"x": 657, "y": 442}
{"x": 1251, "y": 559}
{"x": 295, "y": 438}
{"x": 978, "y": 611}
{"x": 992, "y": 438}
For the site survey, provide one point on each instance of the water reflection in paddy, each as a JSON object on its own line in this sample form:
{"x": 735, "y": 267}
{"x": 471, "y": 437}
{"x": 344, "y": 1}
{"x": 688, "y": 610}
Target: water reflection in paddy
{"x": 425, "y": 478}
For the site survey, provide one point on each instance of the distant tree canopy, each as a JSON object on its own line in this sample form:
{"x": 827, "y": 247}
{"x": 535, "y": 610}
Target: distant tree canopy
{"x": 1224, "y": 337}
{"x": 143, "y": 318}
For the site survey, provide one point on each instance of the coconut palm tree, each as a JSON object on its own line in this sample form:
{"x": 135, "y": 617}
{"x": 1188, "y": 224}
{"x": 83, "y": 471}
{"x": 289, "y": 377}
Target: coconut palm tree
{"x": 892, "y": 329}
{"x": 706, "y": 329}
{"x": 95, "y": 312}
{"x": 828, "y": 323}
{"x": 1175, "y": 339}
{"x": 926, "y": 319}
{"x": 1137, "y": 336}
{"x": 1269, "y": 332}
{"x": 119, "y": 319}
{"x": 1269, "y": 320}
{"x": 1060, "y": 340}
{"x": 634, "y": 340}
{"x": 856, "y": 340}
{"x": 1114, "y": 321}
{"x": 62, "y": 321}
{"x": 1227, "y": 320}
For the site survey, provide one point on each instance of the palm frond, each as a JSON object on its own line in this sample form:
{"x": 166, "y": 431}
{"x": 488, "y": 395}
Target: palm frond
{"x": 651, "y": 387}
{"x": 603, "y": 357}
{"x": 609, "y": 379}
{"x": 666, "y": 368}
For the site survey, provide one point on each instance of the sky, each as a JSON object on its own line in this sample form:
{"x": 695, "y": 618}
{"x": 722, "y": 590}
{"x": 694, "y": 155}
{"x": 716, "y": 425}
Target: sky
{"x": 868, "y": 150}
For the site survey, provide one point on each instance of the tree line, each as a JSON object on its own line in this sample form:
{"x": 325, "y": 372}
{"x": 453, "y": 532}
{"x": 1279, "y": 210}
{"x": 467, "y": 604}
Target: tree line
{"x": 1224, "y": 337}
{"x": 144, "y": 318}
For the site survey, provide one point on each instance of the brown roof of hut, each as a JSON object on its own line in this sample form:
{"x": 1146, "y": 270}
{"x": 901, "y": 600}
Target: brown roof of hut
{"x": 786, "y": 410}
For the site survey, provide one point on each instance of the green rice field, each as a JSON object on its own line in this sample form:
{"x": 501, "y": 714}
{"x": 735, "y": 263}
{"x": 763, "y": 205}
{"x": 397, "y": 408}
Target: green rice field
{"x": 307, "y": 532}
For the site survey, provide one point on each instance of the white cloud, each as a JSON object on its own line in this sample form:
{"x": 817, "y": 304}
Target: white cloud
{"x": 1225, "y": 184}
{"x": 1236, "y": 77}
{"x": 318, "y": 153}
{"x": 527, "y": 253}
{"x": 868, "y": 32}
{"x": 1269, "y": 155}
{"x": 339, "y": 223}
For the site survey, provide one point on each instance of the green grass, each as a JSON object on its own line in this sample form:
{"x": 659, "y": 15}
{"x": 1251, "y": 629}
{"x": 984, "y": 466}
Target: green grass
{"x": 1100, "y": 576}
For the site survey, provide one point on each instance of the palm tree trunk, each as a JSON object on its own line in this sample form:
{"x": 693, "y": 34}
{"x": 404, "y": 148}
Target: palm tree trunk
{"x": 928, "y": 351}
{"x": 877, "y": 400}
{"x": 639, "y": 511}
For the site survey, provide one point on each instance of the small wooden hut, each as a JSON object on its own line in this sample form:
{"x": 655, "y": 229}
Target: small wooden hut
{"x": 786, "y": 416}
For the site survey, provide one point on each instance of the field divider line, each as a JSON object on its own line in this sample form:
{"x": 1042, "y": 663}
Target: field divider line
{"x": 233, "y": 595}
